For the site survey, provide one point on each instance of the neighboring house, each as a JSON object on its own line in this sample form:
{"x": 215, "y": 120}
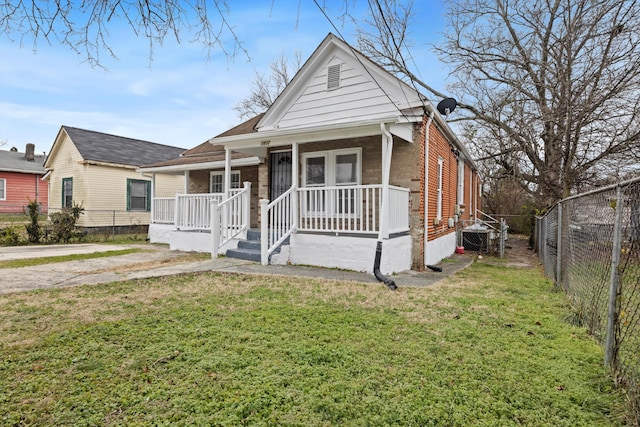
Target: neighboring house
{"x": 346, "y": 157}
{"x": 98, "y": 171}
{"x": 21, "y": 180}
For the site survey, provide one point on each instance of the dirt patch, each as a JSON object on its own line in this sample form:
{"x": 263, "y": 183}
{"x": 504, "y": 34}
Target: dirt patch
{"x": 180, "y": 258}
{"x": 517, "y": 254}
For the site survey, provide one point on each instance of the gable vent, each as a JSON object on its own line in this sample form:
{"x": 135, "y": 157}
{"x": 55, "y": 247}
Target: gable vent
{"x": 333, "y": 77}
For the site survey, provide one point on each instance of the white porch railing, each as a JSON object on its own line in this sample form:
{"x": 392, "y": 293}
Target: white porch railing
{"x": 276, "y": 223}
{"x": 352, "y": 209}
{"x": 230, "y": 217}
{"x": 193, "y": 211}
{"x": 340, "y": 209}
{"x": 164, "y": 209}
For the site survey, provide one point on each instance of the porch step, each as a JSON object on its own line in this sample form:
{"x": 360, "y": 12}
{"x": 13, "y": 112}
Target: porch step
{"x": 248, "y": 254}
{"x": 250, "y": 249}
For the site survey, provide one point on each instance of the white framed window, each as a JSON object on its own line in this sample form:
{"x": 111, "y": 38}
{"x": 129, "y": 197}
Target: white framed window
{"x": 138, "y": 195}
{"x": 3, "y": 189}
{"x": 337, "y": 168}
{"x": 216, "y": 181}
{"x": 460, "y": 181}
{"x": 440, "y": 175}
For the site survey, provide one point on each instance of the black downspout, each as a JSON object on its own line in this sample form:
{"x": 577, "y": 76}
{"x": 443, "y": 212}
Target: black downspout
{"x": 376, "y": 269}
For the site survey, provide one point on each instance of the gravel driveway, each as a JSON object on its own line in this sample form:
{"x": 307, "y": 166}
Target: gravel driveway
{"x": 152, "y": 260}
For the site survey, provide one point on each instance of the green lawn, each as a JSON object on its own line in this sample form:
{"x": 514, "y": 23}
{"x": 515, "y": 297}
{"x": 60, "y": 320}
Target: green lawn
{"x": 487, "y": 347}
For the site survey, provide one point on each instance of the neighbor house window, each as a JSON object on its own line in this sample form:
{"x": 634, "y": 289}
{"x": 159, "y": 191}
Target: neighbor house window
{"x": 339, "y": 168}
{"x": 138, "y": 195}
{"x": 216, "y": 181}
{"x": 440, "y": 175}
{"x": 67, "y": 192}
{"x": 3, "y": 189}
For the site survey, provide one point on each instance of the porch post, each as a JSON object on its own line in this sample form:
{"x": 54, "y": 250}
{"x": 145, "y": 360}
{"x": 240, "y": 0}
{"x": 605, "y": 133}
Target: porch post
{"x": 246, "y": 205}
{"x": 264, "y": 232}
{"x": 153, "y": 196}
{"x": 215, "y": 228}
{"x": 294, "y": 185}
{"x": 227, "y": 172}
{"x": 186, "y": 182}
{"x": 387, "y": 149}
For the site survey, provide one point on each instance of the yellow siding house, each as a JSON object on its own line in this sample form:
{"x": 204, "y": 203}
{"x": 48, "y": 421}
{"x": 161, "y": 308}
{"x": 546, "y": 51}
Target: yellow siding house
{"x": 98, "y": 171}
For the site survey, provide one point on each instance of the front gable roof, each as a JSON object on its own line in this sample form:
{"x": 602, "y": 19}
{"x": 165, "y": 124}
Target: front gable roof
{"x": 112, "y": 149}
{"x": 338, "y": 84}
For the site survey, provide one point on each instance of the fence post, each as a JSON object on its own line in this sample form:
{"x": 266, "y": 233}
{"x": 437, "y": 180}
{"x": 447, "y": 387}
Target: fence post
{"x": 215, "y": 228}
{"x": 559, "y": 247}
{"x": 610, "y": 343}
{"x": 113, "y": 226}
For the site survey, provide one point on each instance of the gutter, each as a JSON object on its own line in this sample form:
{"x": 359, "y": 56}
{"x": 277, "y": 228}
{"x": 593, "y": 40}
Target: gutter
{"x": 385, "y": 200}
{"x": 426, "y": 187}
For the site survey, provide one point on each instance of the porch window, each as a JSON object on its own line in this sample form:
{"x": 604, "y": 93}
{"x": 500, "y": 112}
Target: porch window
{"x": 138, "y": 195}
{"x": 338, "y": 168}
{"x": 315, "y": 173}
{"x": 3, "y": 189}
{"x": 67, "y": 192}
{"x": 440, "y": 174}
{"x": 216, "y": 181}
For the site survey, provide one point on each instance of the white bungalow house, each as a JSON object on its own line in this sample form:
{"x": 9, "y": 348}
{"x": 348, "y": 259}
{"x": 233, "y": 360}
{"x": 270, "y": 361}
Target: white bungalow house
{"x": 347, "y": 160}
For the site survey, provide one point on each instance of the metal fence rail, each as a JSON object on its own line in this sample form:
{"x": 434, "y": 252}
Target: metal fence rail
{"x": 590, "y": 245}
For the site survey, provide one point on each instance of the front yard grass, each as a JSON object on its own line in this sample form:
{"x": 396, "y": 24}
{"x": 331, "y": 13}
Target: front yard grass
{"x": 488, "y": 347}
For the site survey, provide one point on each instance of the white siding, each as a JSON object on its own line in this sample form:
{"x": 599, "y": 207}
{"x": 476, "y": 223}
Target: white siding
{"x": 358, "y": 98}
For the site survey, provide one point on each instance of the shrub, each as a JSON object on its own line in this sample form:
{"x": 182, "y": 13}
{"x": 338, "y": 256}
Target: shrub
{"x": 11, "y": 236}
{"x": 63, "y": 224}
{"x": 34, "y": 231}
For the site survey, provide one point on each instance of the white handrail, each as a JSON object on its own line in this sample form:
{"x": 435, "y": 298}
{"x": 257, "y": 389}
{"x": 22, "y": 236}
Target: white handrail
{"x": 230, "y": 217}
{"x": 276, "y": 223}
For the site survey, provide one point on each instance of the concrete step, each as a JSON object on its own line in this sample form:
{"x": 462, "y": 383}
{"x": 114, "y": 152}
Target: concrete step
{"x": 249, "y": 244}
{"x": 247, "y": 254}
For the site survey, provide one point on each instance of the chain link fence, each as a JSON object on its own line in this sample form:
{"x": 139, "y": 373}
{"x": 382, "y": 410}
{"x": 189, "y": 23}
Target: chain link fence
{"x": 110, "y": 223}
{"x": 590, "y": 245}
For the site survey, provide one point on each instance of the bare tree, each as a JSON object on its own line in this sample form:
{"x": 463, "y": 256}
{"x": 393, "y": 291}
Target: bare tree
{"x": 265, "y": 89}
{"x": 549, "y": 90}
{"x": 85, "y": 26}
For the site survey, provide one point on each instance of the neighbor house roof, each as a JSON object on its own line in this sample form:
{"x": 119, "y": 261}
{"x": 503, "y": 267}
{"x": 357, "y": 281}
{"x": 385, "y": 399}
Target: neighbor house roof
{"x": 13, "y": 161}
{"x": 107, "y": 148}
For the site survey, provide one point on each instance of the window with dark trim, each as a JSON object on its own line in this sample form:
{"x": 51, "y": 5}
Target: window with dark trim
{"x": 67, "y": 192}
{"x": 138, "y": 195}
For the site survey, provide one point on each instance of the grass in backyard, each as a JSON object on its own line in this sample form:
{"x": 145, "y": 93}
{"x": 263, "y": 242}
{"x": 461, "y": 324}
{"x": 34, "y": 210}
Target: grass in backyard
{"x": 28, "y": 262}
{"x": 486, "y": 347}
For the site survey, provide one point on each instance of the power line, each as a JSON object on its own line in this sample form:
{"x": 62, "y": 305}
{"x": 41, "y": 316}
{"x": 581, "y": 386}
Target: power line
{"x": 355, "y": 54}
{"x": 398, "y": 51}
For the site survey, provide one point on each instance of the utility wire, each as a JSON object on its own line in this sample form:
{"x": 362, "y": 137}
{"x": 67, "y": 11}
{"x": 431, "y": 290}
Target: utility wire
{"x": 398, "y": 51}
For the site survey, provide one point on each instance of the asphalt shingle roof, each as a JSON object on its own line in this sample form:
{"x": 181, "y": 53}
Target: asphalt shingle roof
{"x": 13, "y": 161}
{"x": 107, "y": 148}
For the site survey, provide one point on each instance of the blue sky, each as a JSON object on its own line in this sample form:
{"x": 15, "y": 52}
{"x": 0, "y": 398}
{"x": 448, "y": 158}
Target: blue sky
{"x": 181, "y": 97}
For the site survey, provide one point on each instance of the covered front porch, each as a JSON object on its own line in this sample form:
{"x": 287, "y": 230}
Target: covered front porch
{"x": 319, "y": 197}
{"x": 352, "y": 214}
